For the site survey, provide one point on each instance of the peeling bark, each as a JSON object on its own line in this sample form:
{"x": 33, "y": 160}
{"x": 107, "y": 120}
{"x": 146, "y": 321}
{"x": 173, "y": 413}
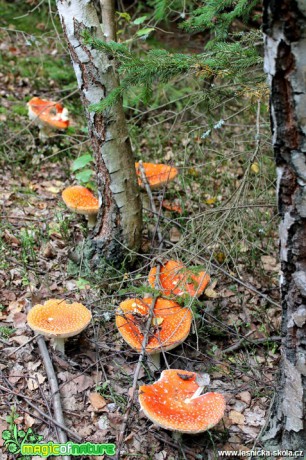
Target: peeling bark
{"x": 118, "y": 227}
{"x": 284, "y": 26}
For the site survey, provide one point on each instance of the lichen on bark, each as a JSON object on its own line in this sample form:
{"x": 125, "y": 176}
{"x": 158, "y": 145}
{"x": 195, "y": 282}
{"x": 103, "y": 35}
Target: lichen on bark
{"x": 118, "y": 229}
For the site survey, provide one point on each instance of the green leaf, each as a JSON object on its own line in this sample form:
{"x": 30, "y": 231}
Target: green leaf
{"x": 146, "y": 31}
{"x": 125, "y": 16}
{"x": 6, "y": 434}
{"x": 84, "y": 176}
{"x": 82, "y": 161}
{"x": 82, "y": 283}
{"x": 140, "y": 20}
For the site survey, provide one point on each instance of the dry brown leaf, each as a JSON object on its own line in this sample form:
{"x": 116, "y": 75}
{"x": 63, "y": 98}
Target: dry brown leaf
{"x": 245, "y": 396}
{"x": 83, "y": 382}
{"x": 34, "y": 382}
{"x": 236, "y": 417}
{"x": 97, "y": 401}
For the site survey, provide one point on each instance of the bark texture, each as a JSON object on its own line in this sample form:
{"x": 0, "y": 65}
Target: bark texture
{"x": 284, "y": 26}
{"x": 118, "y": 227}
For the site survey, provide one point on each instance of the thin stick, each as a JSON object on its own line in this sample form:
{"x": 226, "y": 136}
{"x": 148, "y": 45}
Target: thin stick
{"x": 243, "y": 342}
{"x": 57, "y": 405}
{"x": 43, "y": 414}
{"x": 138, "y": 367}
{"x": 153, "y": 207}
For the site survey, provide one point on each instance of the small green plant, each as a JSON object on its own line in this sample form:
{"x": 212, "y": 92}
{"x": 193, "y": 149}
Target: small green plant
{"x": 14, "y": 439}
{"x": 5, "y": 331}
{"x": 83, "y": 173}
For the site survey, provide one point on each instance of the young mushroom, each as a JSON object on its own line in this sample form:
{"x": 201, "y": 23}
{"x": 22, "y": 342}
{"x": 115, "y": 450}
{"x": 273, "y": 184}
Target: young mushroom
{"x": 157, "y": 175}
{"x": 174, "y": 403}
{"x": 176, "y": 279}
{"x": 82, "y": 201}
{"x": 59, "y": 320}
{"x": 48, "y": 115}
{"x": 170, "y": 325}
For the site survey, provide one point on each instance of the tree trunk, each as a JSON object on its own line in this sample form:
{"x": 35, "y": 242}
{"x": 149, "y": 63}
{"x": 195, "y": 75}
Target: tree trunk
{"x": 119, "y": 223}
{"x": 284, "y": 25}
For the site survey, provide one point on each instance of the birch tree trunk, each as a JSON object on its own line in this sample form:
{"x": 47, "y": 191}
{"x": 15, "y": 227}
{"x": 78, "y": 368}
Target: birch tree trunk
{"x": 284, "y": 25}
{"x": 119, "y": 222}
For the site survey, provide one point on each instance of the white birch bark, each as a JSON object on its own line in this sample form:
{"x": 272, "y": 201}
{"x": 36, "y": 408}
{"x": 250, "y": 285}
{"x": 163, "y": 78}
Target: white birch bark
{"x": 118, "y": 225}
{"x": 285, "y": 63}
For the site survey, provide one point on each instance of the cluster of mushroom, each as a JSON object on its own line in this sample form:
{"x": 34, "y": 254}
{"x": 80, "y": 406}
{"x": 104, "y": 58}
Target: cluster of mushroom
{"x": 173, "y": 402}
{"x": 82, "y": 201}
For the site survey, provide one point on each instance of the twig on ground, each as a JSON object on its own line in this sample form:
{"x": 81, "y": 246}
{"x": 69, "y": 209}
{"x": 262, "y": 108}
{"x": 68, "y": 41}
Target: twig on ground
{"x": 137, "y": 370}
{"x": 57, "y": 406}
{"x": 243, "y": 342}
{"x": 151, "y": 198}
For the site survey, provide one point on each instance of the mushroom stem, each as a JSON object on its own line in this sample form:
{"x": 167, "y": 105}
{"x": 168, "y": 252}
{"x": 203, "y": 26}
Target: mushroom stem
{"x": 154, "y": 361}
{"x": 59, "y": 344}
{"x": 195, "y": 394}
{"x": 92, "y": 219}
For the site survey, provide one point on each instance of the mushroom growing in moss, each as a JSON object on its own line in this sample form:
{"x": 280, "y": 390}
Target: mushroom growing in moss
{"x": 170, "y": 325}
{"x": 58, "y": 319}
{"x": 82, "y": 201}
{"x": 48, "y": 115}
{"x": 174, "y": 403}
{"x": 176, "y": 279}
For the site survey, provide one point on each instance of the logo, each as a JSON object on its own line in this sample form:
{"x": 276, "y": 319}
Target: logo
{"x": 25, "y": 444}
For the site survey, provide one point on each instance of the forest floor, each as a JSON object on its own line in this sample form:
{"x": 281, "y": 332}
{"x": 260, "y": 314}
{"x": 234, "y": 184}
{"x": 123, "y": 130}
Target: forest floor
{"x": 228, "y": 225}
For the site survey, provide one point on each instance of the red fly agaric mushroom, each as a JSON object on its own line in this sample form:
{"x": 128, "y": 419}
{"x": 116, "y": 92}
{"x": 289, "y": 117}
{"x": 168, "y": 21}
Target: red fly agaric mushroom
{"x": 170, "y": 325}
{"x": 176, "y": 279}
{"x": 48, "y": 115}
{"x": 82, "y": 201}
{"x": 59, "y": 320}
{"x": 174, "y": 403}
{"x": 157, "y": 175}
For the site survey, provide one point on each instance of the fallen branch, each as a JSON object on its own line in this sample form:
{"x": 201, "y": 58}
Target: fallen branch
{"x": 244, "y": 342}
{"x": 56, "y": 398}
{"x": 138, "y": 367}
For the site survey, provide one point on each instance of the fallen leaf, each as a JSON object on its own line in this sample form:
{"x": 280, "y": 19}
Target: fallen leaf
{"x": 97, "y": 401}
{"x": 236, "y": 417}
{"x": 244, "y": 396}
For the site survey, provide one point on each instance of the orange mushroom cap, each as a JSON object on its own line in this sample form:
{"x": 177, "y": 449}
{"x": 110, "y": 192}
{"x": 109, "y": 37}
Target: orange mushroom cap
{"x": 80, "y": 200}
{"x": 171, "y": 323}
{"x": 157, "y": 175}
{"x": 176, "y": 279}
{"x": 172, "y": 206}
{"x": 48, "y": 113}
{"x": 58, "y": 319}
{"x": 168, "y": 403}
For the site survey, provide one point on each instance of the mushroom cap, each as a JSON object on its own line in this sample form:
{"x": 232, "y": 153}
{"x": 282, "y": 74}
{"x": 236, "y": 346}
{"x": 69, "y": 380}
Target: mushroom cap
{"x": 157, "y": 175}
{"x": 172, "y": 206}
{"x": 171, "y": 323}
{"x": 167, "y": 403}
{"x": 58, "y": 319}
{"x": 48, "y": 113}
{"x": 176, "y": 279}
{"x": 80, "y": 200}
